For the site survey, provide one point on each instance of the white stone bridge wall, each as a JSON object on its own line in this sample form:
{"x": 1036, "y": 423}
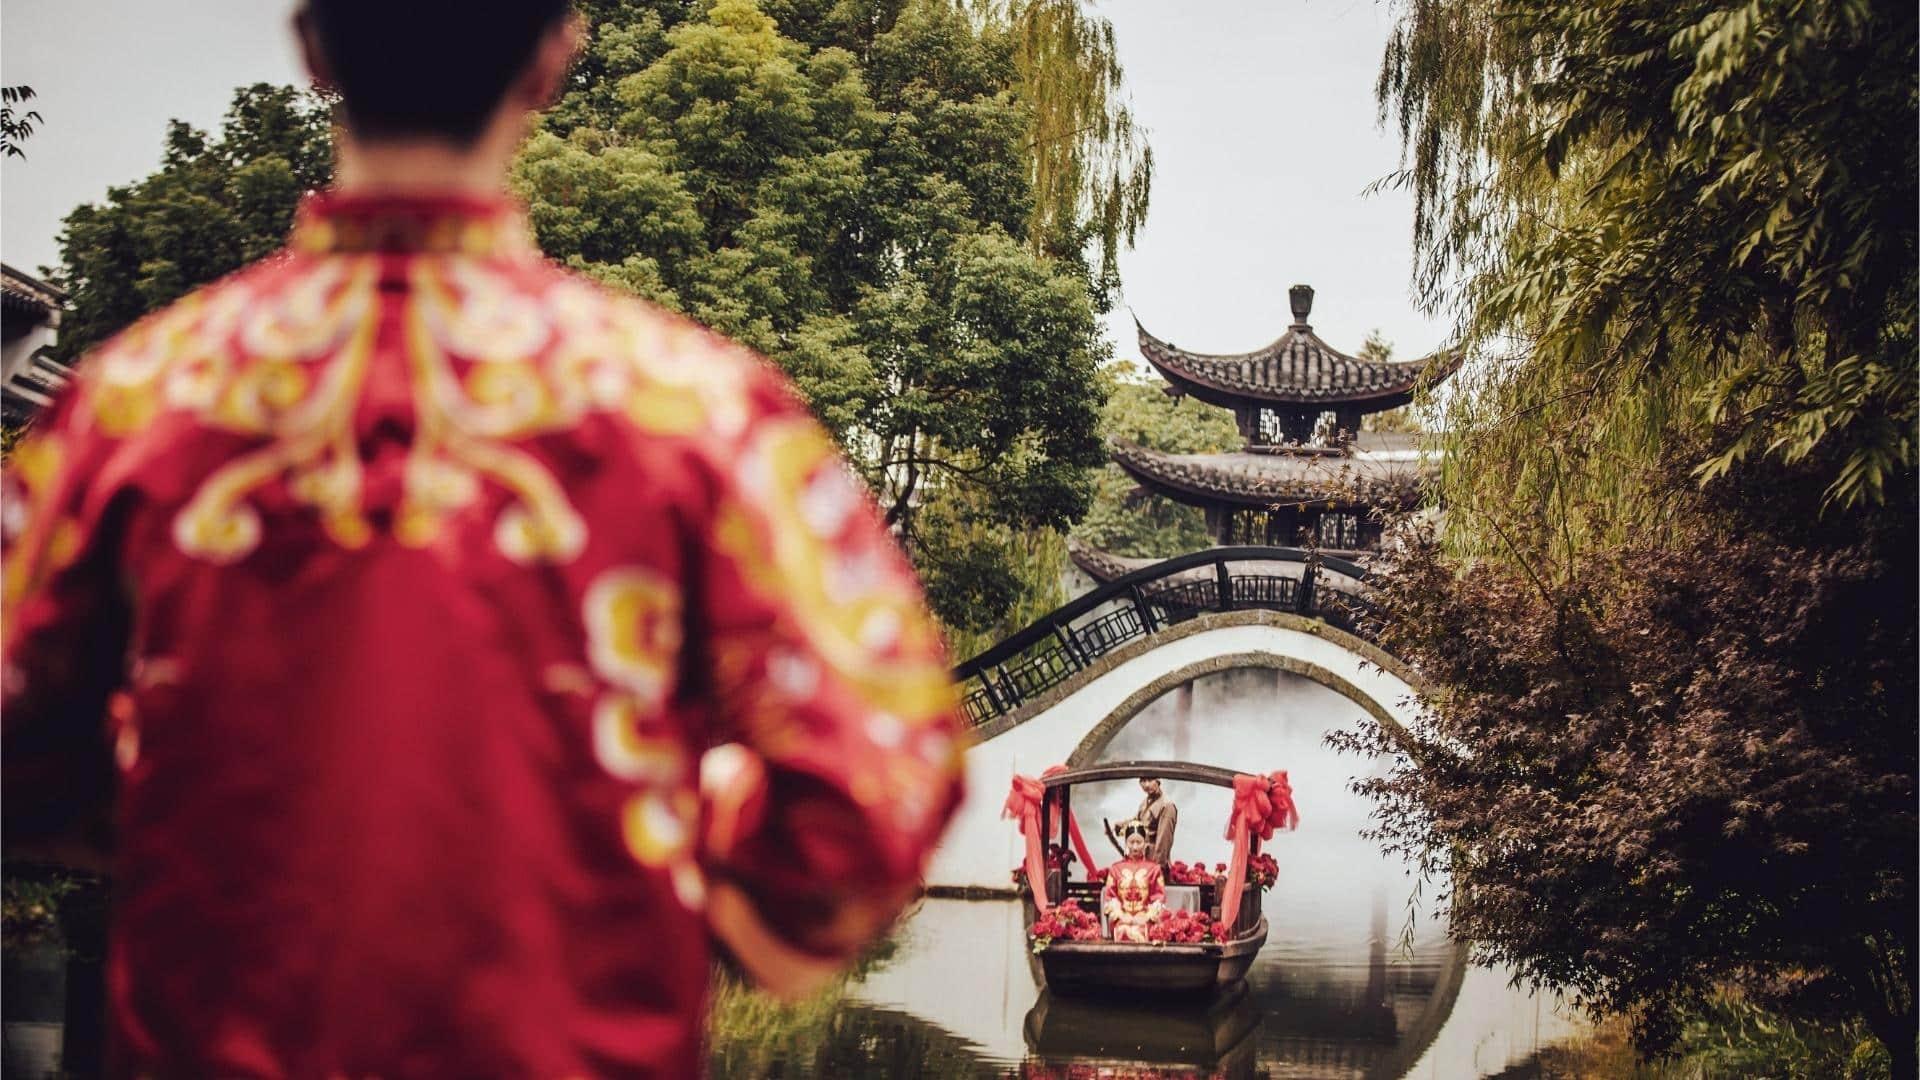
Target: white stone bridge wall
{"x": 1073, "y": 722}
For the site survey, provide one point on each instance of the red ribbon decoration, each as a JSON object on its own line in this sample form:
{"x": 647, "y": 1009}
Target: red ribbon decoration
{"x": 1023, "y": 805}
{"x": 1073, "y": 829}
{"x": 1261, "y": 804}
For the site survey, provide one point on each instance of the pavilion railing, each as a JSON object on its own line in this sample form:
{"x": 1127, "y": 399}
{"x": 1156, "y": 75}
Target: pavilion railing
{"x": 1071, "y": 638}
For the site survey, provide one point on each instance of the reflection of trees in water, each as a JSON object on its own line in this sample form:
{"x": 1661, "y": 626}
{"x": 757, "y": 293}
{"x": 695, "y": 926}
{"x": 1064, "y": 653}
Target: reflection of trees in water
{"x": 839, "y": 1039}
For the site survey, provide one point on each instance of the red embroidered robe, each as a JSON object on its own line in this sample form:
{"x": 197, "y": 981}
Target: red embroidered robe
{"x": 1134, "y": 899}
{"x": 415, "y": 577}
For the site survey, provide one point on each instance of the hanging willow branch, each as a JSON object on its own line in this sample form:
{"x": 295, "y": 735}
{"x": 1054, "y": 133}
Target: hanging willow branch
{"x": 1092, "y": 167}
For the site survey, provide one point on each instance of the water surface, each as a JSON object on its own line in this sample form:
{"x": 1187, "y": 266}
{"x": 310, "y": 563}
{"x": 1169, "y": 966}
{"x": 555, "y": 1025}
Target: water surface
{"x": 1350, "y": 983}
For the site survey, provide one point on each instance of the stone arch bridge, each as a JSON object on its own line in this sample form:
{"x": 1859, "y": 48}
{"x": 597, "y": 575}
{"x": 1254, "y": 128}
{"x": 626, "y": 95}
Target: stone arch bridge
{"x": 1060, "y": 689}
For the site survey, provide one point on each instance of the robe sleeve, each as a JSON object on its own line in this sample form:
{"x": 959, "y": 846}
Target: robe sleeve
{"x": 838, "y": 761}
{"x": 1163, "y": 833}
{"x": 66, "y": 624}
{"x": 1156, "y": 890}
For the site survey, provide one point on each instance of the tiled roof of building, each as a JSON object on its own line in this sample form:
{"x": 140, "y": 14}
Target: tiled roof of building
{"x": 1267, "y": 479}
{"x": 1297, "y": 369}
{"x": 26, "y": 294}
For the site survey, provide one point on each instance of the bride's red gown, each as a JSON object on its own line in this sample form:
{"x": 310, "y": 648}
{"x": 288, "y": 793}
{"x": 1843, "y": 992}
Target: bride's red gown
{"x": 1133, "y": 900}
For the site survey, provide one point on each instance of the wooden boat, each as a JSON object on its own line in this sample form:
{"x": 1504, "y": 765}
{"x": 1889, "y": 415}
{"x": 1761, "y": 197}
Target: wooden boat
{"x": 1107, "y": 968}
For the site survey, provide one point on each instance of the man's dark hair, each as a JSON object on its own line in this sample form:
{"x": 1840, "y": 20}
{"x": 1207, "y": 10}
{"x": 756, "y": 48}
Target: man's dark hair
{"x": 426, "y": 67}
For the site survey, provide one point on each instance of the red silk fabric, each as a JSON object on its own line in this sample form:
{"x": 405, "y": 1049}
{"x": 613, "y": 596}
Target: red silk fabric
{"x": 1261, "y": 804}
{"x": 1073, "y": 829}
{"x": 1023, "y": 806}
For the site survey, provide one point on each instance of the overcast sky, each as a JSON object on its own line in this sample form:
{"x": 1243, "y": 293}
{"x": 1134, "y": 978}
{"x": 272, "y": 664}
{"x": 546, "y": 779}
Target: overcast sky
{"x": 1261, "y": 117}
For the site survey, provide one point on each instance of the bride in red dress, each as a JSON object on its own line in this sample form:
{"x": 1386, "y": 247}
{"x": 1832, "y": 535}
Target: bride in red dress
{"x": 1135, "y": 897}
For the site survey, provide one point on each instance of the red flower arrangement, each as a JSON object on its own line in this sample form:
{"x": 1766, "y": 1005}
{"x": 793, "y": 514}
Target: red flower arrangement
{"x": 1181, "y": 874}
{"x": 1186, "y": 928}
{"x": 1263, "y": 870}
{"x": 1066, "y": 920}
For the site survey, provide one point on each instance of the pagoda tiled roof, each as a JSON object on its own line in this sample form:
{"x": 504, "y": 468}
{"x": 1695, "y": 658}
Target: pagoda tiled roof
{"x": 1329, "y": 479}
{"x": 1297, "y": 369}
{"x": 1104, "y": 566}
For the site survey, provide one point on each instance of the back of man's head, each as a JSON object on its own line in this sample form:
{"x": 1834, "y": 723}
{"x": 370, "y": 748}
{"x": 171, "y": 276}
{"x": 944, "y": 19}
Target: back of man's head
{"x": 425, "y": 68}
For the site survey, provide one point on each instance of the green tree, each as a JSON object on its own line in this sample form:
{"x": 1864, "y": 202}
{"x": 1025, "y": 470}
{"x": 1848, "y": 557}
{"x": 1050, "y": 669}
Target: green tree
{"x": 1684, "y": 765}
{"x": 1092, "y": 170}
{"x": 215, "y": 205}
{"x": 1668, "y": 218}
{"x": 1406, "y": 418}
{"x": 852, "y": 199}
{"x": 16, "y": 126}
{"x": 845, "y": 185}
{"x": 1669, "y": 629}
{"x": 1124, "y": 519}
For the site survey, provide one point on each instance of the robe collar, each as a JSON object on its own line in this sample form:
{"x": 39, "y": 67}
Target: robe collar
{"x": 331, "y": 222}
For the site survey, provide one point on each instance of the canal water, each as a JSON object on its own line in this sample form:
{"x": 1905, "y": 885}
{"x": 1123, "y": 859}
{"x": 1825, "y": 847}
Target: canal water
{"x": 1357, "y": 979}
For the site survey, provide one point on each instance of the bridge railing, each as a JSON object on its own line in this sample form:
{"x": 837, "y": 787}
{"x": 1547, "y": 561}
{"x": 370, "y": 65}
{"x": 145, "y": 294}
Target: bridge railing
{"x": 1071, "y": 638}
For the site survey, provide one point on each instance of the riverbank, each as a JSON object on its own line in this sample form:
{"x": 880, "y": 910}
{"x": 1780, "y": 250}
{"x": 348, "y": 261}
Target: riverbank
{"x": 1729, "y": 1039}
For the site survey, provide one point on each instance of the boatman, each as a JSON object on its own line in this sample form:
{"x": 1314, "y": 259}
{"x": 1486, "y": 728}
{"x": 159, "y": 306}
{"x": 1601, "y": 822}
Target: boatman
{"x": 1160, "y": 816}
{"x": 461, "y": 652}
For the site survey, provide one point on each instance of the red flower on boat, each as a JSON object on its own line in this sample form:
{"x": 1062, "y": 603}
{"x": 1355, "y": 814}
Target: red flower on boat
{"x": 1181, "y": 874}
{"x": 1186, "y": 928}
{"x": 1263, "y": 870}
{"x": 1067, "y": 920}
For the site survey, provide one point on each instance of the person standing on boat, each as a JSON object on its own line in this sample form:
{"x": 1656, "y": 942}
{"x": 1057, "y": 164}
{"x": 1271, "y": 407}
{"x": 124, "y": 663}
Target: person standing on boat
{"x": 1136, "y": 895}
{"x": 461, "y": 652}
{"x": 1160, "y": 816}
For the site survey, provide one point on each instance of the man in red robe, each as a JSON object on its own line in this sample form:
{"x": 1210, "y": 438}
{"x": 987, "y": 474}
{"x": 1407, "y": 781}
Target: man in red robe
{"x": 463, "y": 650}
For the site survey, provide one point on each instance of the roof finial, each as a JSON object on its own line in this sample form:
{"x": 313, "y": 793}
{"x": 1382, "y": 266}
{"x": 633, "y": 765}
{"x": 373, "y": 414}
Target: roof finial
{"x": 1301, "y": 297}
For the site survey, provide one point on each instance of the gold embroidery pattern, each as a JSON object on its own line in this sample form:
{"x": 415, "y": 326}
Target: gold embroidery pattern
{"x": 810, "y": 545}
{"x": 632, "y": 617}
{"x": 39, "y": 540}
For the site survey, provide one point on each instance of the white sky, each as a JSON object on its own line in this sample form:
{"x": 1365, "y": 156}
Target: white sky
{"x": 1260, "y": 114}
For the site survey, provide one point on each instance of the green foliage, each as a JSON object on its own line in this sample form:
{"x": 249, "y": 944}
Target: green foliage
{"x": 1123, "y": 519}
{"x": 1680, "y": 763}
{"x": 1669, "y": 219}
{"x": 847, "y": 186}
{"x": 16, "y": 126}
{"x": 846, "y": 189}
{"x": 1092, "y": 169}
{"x": 30, "y": 896}
{"x": 214, "y": 206}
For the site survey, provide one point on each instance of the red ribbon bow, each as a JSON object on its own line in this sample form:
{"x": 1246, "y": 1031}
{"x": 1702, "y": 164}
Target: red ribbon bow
{"x": 1261, "y": 804}
{"x": 1023, "y": 805}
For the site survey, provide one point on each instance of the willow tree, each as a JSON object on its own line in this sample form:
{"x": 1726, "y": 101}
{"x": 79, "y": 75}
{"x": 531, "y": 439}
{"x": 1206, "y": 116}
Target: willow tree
{"x": 1659, "y": 221}
{"x": 1092, "y": 169}
{"x": 1671, "y": 628}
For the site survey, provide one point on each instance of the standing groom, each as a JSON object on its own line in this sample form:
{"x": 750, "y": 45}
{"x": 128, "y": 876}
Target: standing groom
{"x": 484, "y": 649}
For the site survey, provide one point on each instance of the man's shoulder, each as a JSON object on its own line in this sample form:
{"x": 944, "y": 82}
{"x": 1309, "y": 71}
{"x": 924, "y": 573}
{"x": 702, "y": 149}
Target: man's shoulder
{"x": 664, "y": 372}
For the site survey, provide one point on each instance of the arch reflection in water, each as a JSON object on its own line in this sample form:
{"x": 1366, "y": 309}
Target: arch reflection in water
{"x": 1337, "y": 992}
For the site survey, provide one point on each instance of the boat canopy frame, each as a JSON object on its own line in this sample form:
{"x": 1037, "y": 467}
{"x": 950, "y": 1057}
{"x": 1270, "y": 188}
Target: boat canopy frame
{"x": 1136, "y": 770}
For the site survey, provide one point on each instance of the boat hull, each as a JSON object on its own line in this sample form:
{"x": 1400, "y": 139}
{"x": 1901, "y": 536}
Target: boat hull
{"x": 1102, "y": 968}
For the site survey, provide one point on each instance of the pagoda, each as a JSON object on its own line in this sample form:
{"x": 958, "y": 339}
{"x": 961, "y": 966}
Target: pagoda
{"x": 1306, "y": 471}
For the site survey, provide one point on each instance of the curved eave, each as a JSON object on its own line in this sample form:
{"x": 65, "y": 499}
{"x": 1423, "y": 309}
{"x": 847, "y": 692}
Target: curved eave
{"x": 1192, "y": 374}
{"x": 1348, "y": 483}
{"x": 1102, "y": 566}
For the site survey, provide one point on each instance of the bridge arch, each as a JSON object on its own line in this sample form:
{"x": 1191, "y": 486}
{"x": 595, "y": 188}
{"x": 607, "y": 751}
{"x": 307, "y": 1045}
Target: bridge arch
{"x": 1060, "y": 690}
